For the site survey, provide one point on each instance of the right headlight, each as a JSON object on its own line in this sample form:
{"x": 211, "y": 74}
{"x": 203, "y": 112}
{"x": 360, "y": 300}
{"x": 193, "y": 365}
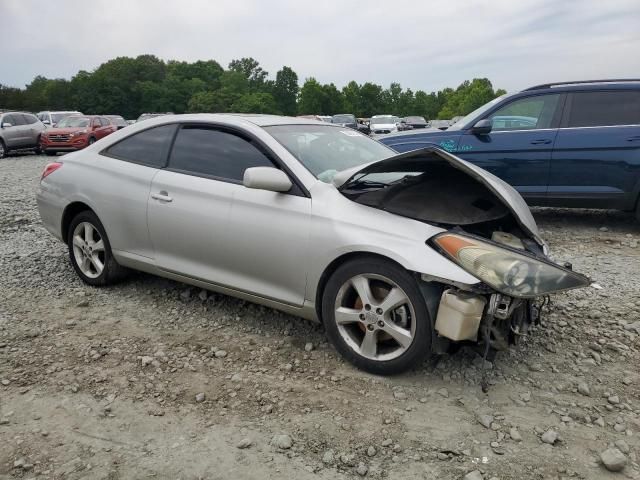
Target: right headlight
{"x": 505, "y": 270}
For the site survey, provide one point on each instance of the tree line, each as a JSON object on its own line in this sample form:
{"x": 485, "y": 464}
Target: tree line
{"x": 130, "y": 86}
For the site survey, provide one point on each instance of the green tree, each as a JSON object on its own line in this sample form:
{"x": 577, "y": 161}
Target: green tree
{"x": 311, "y": 99}
{"x": 351, "y": 95}
{"x": 251, "y": 70}
{"x": 209, "y": 71}
{"x": 285, "y": 91}
{"x": 11, "y": 98}
{"x": 371, "y": 99}
{"x": 467, "y": 97}
{"x": 256, "y": 102}
{"x": 333, "y": 101}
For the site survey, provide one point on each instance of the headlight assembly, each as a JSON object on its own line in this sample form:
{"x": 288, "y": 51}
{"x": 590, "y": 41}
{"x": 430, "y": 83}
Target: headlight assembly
{"x": 507, "y": 271}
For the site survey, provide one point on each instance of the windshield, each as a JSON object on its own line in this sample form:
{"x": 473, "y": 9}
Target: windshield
{"x": 118, "y": 121}
{"x": 326, "y": 150}
{"x": 415, "y": 120}
{"x": 56, "y": 117}
{"x": 74, "y": 122}
{"x": 477, "y": 112}
{"x": 384, "y": 120}
{"x": 343, "y": 119}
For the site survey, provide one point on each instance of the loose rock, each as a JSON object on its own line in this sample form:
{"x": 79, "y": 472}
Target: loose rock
{"x": 613, "y": 459}
{"x": 550, "y": 437}
{"x": 283, "y": 442}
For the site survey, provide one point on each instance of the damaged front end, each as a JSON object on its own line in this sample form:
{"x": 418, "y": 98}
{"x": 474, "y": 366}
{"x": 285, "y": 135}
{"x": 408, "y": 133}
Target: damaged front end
{"x": 488, "y": 231}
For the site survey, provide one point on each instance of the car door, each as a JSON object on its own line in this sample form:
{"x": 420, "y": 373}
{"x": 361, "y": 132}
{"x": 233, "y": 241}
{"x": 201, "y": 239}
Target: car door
{"x": 107, "y": 127}
{"x": 206, "y": 225}
{"x": 97, "y": 128}
{"x": 32, "y": 128}
{"x": 122, "y": 175}
{"x": 596, "y": 158}
{"x": 518, "y": 147}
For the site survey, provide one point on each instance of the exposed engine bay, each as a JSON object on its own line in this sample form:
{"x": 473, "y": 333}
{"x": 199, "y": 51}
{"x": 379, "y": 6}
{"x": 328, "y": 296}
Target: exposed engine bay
{"x": 489, "y": 232}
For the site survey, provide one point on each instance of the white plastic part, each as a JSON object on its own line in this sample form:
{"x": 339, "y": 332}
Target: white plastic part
{"x": 459, "y": 315}
{"x": 507, "y": 239}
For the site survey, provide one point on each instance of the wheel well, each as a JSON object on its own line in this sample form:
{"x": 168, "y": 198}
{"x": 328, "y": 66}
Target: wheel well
{"x": 333, "y": 266}
{"x": 69, "y": 213}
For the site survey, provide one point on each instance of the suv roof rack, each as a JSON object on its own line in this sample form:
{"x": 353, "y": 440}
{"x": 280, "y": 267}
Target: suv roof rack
{"x": 580, "y": 82}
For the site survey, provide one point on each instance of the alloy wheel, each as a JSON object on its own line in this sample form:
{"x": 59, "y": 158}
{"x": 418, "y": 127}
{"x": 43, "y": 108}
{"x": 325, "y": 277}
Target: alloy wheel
{"x": 88, "y": 249}
{"x": 375, "y": 317}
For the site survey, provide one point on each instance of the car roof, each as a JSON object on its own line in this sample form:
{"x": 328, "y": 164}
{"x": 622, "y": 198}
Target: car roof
{"x": 237, "y": 119}
{"x": 615, "y": 84}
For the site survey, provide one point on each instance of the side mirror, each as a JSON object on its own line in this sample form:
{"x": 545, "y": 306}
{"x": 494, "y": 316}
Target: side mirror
{"x": 6, "y": 124}
{"x": 482, "y": 127}
{"x": 266, "y": 178}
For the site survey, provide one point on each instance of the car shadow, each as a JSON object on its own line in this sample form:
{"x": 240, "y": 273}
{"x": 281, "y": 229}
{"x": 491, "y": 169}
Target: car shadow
{"x": 586, "y": 218}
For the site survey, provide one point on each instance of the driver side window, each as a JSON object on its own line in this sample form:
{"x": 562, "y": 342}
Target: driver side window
{"x": 530, "y": 113}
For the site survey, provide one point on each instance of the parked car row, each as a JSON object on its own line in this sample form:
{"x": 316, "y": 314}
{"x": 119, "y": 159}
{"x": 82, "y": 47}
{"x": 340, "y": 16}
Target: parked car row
{"x": 54, "y": 131}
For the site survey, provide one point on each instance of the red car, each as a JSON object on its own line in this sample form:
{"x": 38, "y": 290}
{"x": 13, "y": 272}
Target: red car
{"x": 74, "y": 133}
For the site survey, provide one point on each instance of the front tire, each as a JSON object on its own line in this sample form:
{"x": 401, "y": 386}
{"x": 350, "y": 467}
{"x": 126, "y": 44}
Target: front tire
{"x": 50, "y": 154}
{"x": 375, "y": 316}
{"x": 90, "y": 251}
{"x": 3, "y": 149}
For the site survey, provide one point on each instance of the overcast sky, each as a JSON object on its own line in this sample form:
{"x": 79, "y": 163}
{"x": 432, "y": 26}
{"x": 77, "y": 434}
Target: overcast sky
{"x": 424, "y": 45}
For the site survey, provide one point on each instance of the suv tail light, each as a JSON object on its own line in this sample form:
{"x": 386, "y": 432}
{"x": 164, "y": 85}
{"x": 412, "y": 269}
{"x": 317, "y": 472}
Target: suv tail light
{"x": 49, "y": 169}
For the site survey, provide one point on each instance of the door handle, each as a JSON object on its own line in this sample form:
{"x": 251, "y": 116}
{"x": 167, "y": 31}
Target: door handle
{"x": 634, "y": 139}
{"x": 541, "y": 141}
{"x": 162, "y": 196}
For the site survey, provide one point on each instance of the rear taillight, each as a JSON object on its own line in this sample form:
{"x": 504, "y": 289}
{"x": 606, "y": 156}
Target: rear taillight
{"x": 49, "y": 169}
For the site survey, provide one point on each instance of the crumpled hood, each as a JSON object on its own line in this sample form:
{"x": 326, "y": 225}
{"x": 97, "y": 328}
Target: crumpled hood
{"x": 511, "y": 198}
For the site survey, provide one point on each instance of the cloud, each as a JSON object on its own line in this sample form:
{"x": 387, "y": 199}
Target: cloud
{"x": 422, "y": 45}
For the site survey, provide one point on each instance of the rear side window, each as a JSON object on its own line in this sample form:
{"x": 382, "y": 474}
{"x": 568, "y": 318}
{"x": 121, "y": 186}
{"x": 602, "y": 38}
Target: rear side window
{"x": 29, "y": 119}
{"x": 214, "y": 153}
{"x": 15, "y": 119}
{"x": 529, "y": 113}
{"x": 600, "y": 109}
{"x": 149, "y": 147}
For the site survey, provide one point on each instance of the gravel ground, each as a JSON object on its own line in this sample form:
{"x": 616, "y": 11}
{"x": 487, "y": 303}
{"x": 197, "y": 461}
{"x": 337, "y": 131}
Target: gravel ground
{"x": 153, "y": 379}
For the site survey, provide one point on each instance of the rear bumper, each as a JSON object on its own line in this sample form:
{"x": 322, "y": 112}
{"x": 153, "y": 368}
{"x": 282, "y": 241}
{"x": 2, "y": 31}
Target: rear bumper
{"x": 50, "y": 207}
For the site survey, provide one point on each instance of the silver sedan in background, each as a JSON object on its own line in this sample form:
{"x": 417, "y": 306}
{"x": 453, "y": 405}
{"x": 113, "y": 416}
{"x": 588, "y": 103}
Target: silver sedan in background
{"x": 399, "y": 256}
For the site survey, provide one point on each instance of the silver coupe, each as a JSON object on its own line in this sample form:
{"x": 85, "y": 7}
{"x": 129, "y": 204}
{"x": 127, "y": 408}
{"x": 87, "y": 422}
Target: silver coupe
{"x": 399, "y": 256}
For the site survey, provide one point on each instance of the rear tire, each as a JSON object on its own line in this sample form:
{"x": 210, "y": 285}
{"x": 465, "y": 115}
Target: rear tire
{"x": 3, "y": 149}
{"x": 50, "y": 154}
{"x": 90, "y": 251}
{"x": 389, "y": 331}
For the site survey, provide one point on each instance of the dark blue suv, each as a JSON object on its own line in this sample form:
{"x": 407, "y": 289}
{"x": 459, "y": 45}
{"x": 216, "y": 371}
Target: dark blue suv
{"x": 573, "y": 144}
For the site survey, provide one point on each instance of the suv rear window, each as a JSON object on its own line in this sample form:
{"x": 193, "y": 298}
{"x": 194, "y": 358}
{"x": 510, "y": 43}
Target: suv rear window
{"x": 600, "y": 109}
{"x": 149, "y": 147}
